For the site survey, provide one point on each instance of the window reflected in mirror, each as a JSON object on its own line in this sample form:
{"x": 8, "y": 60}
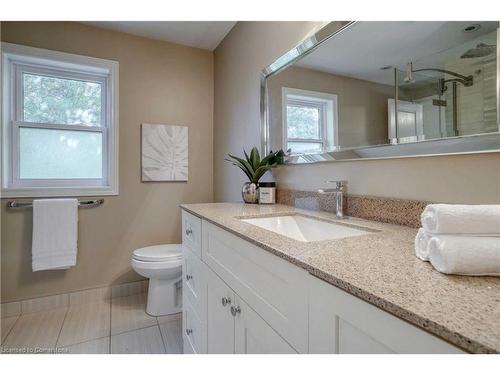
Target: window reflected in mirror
{"x": 310, "y": 121}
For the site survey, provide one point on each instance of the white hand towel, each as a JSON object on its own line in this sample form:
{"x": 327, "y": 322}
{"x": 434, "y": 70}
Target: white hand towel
{"x": 464, "y": 255}
{"x": 421, "y": 242}
{"x": 461, "y": 218}
{"x": 55, "y": 232}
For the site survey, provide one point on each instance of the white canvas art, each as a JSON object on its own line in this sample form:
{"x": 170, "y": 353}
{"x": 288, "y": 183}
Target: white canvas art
{"x": 164, "y": 152}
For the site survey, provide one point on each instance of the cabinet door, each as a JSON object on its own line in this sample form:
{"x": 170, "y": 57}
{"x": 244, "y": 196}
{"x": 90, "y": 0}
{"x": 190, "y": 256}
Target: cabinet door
{"x": 342, "y": 323}
{"x": 253, "y": 335}
{"x": 275, "y": 288}
{"x": 193, "y": 331}
{"x": 220, "y": 322}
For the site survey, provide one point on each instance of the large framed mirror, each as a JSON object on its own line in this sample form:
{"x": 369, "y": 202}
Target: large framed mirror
{"x": 358, "y": 90}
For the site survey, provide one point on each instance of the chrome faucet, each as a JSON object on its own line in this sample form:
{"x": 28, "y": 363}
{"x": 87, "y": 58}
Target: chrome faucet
{"x": 338, "y": 189}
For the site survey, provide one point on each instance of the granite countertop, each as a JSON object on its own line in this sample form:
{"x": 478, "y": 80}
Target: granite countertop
{"x": 380, "y": 268}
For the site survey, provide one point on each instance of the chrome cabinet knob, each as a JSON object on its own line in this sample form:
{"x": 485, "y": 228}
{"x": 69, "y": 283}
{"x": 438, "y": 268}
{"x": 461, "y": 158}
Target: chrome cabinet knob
{"x": 189, "y": 277}
{"x": 189, "y": 331}
{"x": 189, "y": 231}
{"x": 235, "y": 310}
{"x": 226, "y": 301}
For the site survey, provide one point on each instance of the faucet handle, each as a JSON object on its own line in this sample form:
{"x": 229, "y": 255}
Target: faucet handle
{"x": 338, "y": 184}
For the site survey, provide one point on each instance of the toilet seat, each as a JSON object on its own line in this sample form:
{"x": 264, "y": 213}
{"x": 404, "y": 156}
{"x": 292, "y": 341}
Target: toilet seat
{"x": 158, "y": 253}
{"x": 156, "y": 265}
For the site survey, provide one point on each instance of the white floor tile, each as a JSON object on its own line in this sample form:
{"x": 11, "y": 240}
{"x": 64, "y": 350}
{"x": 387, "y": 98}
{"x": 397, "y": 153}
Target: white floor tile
{"x": 128, "y": 289}
{"x": 57, "y": 301}
{"x": 141, "y": 341}
{"x": 129, "y": 313}
{"x": 35, "y": 332}
{"x": 7, "y": 324}
{"x": 172, "y": 336}
{"x": 10, "y": 309}
{"x": 168, "y": 318}
{"x": 90, "y": 296}
{"x": 85, "y": 322}
{"x": 85, "y": 326}
{"x": 99, "y": 346}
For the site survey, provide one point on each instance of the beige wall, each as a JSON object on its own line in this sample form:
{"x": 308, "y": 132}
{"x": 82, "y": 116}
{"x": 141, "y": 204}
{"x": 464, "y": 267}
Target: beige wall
{"x": 362, "y": 105}
{"x": 238, "y": 61}
{"x": 251, "y": 46}
{"x": 159, "y": 83}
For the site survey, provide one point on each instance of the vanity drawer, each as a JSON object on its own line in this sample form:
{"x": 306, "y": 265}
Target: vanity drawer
{"x": 194, "y": 285}
{"x": 273, "y": 287}
{"x": 191, "y": 232}
{"x": 193, "y": 331}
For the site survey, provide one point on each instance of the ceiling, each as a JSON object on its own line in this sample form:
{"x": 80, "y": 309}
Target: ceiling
{"x": 199, "y": 34}
{"x": 365, "y": 47}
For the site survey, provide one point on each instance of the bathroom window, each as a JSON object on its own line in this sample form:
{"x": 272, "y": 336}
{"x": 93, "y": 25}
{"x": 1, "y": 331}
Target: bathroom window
{"x": 59, "y": 125}
{"x": 310, "y": 121}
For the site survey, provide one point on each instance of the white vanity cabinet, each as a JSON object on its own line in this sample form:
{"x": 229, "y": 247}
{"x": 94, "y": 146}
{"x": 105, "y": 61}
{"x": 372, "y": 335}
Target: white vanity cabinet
{"x": 252, "y": 335}
{"x": 194, "y": 301}
{"x": 274, "y": 288}
{"x": 191, "y": 233}
{"x": 194, "y": 330}
{"x": 234, "y": 327}
{"x": 239, "y": 298}
{"x": 344, "y": 324}
{"x": 220, "y": 322}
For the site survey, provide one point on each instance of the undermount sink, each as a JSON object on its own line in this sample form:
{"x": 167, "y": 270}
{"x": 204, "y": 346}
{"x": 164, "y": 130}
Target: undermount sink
{"x": 305, "y": 229}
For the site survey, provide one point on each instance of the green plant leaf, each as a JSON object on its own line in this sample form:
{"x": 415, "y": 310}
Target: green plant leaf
{"x": 254, "y": 167}
{"x": 259, "y": 173}
{"x": 277, "y": 157}
{"x": 247, "y": 157}
{"x": 250, "y": 177}
{"x": 240, "y": 160}
{"x": 280, "y": 157}
{"x": 242, "y": 167}
{"x": 245, "y": 164}
{"x": 255, "y": 158}
{"x": 268, "y": 159}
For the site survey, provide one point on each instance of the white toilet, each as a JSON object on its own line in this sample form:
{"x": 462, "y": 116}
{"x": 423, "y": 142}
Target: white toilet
{"x": 162, "y": 264}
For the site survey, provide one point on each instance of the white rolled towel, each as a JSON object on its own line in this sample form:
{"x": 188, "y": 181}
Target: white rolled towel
{"x": 465, "y": 255}
{"x": 461, "y": 219}
{"x": 421, "y": 244}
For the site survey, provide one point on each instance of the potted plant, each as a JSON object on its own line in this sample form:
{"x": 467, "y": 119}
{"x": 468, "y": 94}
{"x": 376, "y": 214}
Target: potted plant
{"x": 254, "y": 168}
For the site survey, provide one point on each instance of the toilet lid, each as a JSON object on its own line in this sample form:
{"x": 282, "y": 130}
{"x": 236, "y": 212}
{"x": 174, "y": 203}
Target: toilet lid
{"x": 159, "y": 253}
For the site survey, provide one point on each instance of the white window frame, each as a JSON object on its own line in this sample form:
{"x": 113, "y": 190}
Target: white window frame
{"x": 326, "y": 104}
{"x": 17, "y": 59}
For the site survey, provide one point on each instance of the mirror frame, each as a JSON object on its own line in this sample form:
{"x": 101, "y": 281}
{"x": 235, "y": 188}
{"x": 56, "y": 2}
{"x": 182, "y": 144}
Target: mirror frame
{"x": 465, "y": 144}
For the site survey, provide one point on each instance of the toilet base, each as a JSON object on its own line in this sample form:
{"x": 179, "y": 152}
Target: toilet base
{"x": 164, "y": 297}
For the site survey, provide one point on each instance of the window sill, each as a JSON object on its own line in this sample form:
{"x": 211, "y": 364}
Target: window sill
{"x": 57, "y": 192}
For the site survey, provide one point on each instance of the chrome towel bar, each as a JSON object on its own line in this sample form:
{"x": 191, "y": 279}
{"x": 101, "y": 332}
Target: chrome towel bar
{"x": 83, "y": 204}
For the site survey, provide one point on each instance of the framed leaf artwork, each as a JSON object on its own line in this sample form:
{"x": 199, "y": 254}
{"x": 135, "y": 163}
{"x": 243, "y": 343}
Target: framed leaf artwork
{"x": 164, "y": 152}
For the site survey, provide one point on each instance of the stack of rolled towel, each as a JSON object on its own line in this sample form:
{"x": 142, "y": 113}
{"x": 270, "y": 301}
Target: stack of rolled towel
{"x": 460, "y": 239}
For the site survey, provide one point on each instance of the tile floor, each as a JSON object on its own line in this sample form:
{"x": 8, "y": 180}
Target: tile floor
{"x": 117, "y": 326}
